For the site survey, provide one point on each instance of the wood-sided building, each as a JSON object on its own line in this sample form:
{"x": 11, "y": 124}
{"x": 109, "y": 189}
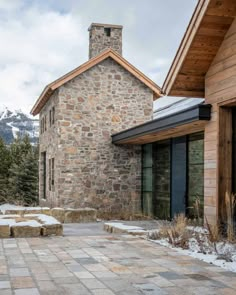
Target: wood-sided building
{"x": 204, "y": 67}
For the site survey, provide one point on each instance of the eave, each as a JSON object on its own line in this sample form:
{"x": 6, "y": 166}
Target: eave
{"x": 49, "y": 89}
{"x": 184, "y": 122}
{"x": 206, "y": 31}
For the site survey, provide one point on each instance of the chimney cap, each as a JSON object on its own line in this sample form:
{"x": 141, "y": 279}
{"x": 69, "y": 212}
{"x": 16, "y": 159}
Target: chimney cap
{"x": 105, "y": 26}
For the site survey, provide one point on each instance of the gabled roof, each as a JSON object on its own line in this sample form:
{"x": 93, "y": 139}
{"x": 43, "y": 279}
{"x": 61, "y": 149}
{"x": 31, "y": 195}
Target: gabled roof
{"x": 206, "y": 31}
{"x": 50, "y": 88}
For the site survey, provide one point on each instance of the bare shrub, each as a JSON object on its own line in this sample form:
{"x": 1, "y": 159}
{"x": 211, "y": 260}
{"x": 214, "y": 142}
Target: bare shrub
{"x": 230, "y": 203}
{"x": 176, "y": 232}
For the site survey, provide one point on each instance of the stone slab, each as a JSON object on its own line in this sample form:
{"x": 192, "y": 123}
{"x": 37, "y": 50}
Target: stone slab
{"x": 52, "y": 229}
{"x": 80, "y": 215}
{"x": 5, "y": 231}
{"x": 59, "y": 214}
{"x": 25, "y": 231}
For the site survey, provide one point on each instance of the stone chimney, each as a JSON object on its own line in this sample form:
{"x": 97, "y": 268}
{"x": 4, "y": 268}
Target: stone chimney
{"x": 103, "y": 36}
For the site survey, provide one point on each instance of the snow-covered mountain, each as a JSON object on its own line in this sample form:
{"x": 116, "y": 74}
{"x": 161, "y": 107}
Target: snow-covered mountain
{"x": 14, "y": 123}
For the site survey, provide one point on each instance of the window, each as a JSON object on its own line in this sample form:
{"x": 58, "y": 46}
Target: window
{"x": 44, "y": 173}
{"x": 173, "y": 177}
{"x": 53, "y": 115}
{"x": 147, "y": 180}
{"x": 45, "y": 123}
{"x": 50, "y": 118}
{"x": 107, "y": 32}
{"x": 51, "y": 173}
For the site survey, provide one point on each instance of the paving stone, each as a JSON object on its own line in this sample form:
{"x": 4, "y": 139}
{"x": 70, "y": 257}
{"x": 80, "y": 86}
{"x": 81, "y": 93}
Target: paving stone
{"x": 33, "y": 291}
{"x": 150, "y": 289}
{"x": 19, "y": 272}
{"x": 22, "y": 282}
{"x": 171, "y": 275}
{"x": 4, "y": 285}
{"x": 102, "y": 292}
{"x": 47, "y": 286}
{"x": 6, "y": 292}
{"x": 93, "y": 284}
{"x": 84, "y": 275}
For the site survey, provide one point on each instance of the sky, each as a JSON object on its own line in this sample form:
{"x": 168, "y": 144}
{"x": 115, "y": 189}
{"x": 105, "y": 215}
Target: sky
{"x": 42, "y": 40}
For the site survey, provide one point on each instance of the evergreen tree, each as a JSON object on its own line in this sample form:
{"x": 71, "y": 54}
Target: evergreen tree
{"x": 24, "y": 179}
{"x": 5, "y": 163}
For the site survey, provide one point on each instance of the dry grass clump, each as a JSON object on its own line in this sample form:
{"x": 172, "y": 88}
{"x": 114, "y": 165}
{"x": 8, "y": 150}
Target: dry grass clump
{"x": 230, "y": 203}
{"x": 176, "y": 232}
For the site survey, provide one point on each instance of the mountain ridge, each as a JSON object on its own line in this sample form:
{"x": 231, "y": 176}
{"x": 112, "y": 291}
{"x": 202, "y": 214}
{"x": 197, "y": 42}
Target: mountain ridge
{"x": 15, "y": 123}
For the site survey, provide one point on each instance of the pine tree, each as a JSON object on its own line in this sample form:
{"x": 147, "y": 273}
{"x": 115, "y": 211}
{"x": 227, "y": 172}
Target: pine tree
{"x": 5, "y": 163}
{"x": 24, "y": 179}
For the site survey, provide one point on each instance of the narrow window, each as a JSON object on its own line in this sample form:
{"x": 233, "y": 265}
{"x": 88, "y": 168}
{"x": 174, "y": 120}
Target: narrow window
{"x": 53, "y": 115}
{"x": 42, "y": 124}
{"x": 107, "y": 32}
{"x": 44, "y": 173}
{"x": 53, "y": 164}
{"x": 45, "y": 123}
{"x": 50, "y": 118}
{"x": 50, "y": 175}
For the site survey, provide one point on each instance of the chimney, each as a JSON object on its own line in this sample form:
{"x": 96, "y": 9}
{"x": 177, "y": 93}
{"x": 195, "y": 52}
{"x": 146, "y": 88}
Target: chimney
{"x": 103, "y": 36}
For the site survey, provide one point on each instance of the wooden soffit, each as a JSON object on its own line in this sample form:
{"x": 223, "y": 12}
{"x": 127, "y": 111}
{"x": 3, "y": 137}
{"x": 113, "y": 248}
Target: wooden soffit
{"x": 206, "y": 31}
{"x": 49, "y": 89}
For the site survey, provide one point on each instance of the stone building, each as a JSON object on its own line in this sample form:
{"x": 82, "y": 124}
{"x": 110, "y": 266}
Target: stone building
{"x": 79, "y": 165}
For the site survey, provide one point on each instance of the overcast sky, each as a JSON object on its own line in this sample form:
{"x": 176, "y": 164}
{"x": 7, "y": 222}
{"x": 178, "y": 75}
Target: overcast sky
{"x": 43, "y": 39}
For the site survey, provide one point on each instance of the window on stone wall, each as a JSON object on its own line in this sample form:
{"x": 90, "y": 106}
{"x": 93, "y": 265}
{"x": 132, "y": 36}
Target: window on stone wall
{"x": 53, "y": 169}
{"x": 51, "y": 174}
{"x": 53, "y": 115}
{"x": 50, "y": 118}
{"x": 107, "y": 31}
{"x": 45, "y": 123}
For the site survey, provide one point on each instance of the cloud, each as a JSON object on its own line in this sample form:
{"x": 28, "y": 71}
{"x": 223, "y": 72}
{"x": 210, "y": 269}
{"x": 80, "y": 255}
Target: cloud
{"x": 42, "y": 40}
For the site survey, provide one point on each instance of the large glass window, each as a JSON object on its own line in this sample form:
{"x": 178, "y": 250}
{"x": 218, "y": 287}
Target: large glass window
{"x": 162, "y": 188}
{"x": 195, "y": 199}
{"x": 147, "y": 180}
{"x": 161, "y": 169}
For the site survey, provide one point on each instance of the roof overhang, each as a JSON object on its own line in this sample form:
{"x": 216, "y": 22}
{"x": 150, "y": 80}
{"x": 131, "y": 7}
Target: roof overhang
{"x": 206, "y": 31}
{"x": 49, "y": 89}
{"x": 184, "y": 122}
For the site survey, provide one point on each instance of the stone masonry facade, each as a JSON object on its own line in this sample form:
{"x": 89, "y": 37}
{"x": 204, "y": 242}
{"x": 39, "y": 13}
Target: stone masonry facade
{"x": 89, "y": 170}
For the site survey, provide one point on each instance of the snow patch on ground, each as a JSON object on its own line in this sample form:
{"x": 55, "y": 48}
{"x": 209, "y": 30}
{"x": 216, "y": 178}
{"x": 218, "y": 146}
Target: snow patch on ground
{"x": 34, "y": 220}
{"x": 122, "y": 226}
{"x": 5, "y": 207}
{"x": 44, "y": 219}
{"x": 211, "y": 257}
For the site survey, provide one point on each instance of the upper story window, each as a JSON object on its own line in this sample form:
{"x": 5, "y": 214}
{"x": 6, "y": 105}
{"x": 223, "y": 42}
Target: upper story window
{"x": 52, "y": 116}
{"x": 43, "y": 121}
{"x": 43, "y": 124}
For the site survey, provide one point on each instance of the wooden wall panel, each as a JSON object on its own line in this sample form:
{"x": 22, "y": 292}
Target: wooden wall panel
{"x": 220, "y": 87}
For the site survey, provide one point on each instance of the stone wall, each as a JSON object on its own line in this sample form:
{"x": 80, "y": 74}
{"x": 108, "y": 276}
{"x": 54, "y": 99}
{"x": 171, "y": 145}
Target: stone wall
{"x": 90, "y": 170}
{"x": 48, "y": 142}
{"x": 99, "y": 41}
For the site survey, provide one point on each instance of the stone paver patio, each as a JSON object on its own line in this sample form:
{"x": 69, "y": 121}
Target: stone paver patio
{"x": 101, "y": 264}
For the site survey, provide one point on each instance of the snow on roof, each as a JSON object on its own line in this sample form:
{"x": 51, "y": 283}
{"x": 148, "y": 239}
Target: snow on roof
{"x": 167, "y": 105}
